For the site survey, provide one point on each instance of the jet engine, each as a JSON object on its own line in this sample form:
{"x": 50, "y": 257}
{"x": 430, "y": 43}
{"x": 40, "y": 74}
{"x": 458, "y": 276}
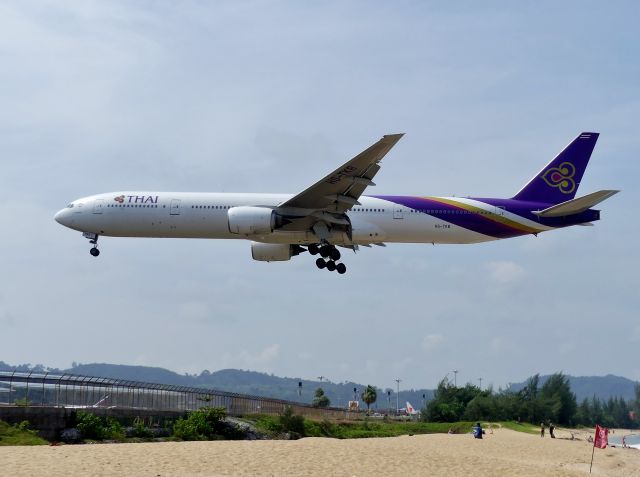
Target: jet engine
{"x": 247, "y": 220}
{"x": 274, "y": 252}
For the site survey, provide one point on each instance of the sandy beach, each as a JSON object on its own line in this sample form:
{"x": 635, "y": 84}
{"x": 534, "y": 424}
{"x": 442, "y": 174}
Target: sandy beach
{"x": 504, "y": 452}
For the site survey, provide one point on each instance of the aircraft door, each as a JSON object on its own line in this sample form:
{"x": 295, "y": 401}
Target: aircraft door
{"x": 97, "y": 206}
{"x": 499, "y": 210}
{"x": 175, "y": 207}
{"x": 398, "y": 211}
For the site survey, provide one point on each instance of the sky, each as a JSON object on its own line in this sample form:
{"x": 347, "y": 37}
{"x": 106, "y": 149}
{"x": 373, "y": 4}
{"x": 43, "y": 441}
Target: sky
{"x": 271, "y": 96}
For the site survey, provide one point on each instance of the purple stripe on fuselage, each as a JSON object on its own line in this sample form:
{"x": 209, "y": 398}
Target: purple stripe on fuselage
{"x": 449, "y": 213}
{"x": 487, "y": 224}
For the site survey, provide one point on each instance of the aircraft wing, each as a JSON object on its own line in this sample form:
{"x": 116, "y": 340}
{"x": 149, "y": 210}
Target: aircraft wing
{"x": 339, "y": 191}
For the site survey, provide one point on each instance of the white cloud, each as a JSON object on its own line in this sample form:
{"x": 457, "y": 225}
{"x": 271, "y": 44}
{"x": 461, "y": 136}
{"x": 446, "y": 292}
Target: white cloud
{"x": 505, "y": 272}
{"x": 262, "y": 360}
{"x": 432, "y": 342}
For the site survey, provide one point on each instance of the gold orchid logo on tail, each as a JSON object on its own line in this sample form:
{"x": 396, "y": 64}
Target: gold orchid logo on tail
{"x": 119, "y": 199}
{"x": 561, "y": 177}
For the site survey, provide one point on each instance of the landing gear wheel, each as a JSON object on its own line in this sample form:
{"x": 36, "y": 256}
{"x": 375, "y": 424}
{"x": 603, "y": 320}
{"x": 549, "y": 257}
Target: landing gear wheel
{"x": 325, "y": 250}
{"x": 334, "y": 254}
{"x": 94, "y": 251}
{"x": 331, "y": 266}
{"x": 341, "y": 268}
{"x": 320, "y": 263}
{"x": 313, "y": 249}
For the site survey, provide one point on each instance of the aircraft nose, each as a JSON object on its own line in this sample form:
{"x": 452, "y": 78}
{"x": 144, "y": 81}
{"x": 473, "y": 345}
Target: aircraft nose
{"x": 62, "y": 217}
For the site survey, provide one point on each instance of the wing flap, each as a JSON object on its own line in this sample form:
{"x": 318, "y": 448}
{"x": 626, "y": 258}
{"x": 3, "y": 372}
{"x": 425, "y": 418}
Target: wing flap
{"x": 576, "y": 206}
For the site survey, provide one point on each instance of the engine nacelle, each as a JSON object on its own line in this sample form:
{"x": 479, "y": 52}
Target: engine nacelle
{"x": 247, "y": 220}
{"x": 274, "y": 252}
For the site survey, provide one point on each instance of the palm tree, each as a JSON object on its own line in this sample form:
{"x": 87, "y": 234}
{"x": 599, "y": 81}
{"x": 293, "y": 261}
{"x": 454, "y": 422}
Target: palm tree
{"x": 369, "y": 396}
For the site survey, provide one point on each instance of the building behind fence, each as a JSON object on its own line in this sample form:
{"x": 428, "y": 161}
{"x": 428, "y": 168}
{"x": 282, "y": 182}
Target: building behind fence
{"x": 69, "y": 391}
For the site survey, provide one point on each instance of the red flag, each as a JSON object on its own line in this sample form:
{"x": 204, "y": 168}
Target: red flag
{"x": 602, "y": 437}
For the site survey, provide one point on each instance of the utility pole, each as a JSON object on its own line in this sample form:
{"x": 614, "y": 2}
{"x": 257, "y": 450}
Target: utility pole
{"x": 455, "y": 378}
{"x": 480, "y": 379}
{"x": 398, "y": 380}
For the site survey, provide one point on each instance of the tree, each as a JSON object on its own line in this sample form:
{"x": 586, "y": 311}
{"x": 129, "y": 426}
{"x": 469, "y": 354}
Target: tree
{"x": 369, "y": 396}
{"x": 559, "y": 402}
{"x": 320, "y": 399}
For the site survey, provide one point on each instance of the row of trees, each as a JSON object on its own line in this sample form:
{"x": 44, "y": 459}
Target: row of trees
{"x": 553, "y": 401}
{"x": 369, "y": 396}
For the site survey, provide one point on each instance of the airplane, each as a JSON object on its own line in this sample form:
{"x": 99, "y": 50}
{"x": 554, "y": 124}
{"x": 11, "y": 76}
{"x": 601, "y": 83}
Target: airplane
{"x": 333, "y": 212}
{"x": 409, "y": 409}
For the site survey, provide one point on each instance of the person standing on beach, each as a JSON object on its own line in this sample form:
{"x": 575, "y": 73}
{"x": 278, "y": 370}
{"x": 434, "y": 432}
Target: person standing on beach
{"x": 542, "y": 429}
{"x": 551, "y": 428}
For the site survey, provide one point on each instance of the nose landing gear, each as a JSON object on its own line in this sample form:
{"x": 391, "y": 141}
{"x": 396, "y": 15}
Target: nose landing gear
{"x": 93, "y": 239}
{"x": 330, "y": 255}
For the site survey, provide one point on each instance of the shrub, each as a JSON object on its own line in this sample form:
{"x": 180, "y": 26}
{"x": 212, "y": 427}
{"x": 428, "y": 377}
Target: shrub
{"x": 24, "y": 426}
{"x": 205, "y": 423}
{"x": 114, "y": 430}
{"x": 90, "y": 425}
{"x": 291, "y": 423}
{"x": 139, "y": 429}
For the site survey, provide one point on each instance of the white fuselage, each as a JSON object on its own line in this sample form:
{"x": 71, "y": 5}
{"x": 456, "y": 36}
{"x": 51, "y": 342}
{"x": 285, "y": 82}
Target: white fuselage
{"x": 205, "y": 215}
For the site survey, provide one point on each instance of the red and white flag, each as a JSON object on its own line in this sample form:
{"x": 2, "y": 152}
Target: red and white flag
{"x": 602, "y": 437}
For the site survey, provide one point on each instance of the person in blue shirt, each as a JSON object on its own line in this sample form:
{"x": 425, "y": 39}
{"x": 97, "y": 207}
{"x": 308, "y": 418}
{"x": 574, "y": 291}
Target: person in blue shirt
{"x": 477, "y": 431}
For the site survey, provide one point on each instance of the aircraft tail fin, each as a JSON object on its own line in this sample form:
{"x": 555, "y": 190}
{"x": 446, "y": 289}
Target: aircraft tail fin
{"x": 558, "y": 182}
{"x": 410, "y": 408}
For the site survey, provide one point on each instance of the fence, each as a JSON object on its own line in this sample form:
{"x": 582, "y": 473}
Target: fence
{"x": 72, "y": 391}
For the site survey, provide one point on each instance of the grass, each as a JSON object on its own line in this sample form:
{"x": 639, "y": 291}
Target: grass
{"x": 520, "y": 427}
{"x": 19, "y": 436}
{"x": 272, "y": 426}
{"x": 363, "y": 429}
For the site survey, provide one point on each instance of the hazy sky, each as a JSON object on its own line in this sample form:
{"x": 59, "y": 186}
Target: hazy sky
{"x": 269, "y": 97}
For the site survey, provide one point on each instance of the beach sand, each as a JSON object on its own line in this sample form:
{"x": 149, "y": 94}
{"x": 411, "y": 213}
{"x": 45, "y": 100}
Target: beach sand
{"x": 504, "y": 452}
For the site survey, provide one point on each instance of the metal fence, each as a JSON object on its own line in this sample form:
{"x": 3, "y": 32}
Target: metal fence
{"x": 89, "y": 392}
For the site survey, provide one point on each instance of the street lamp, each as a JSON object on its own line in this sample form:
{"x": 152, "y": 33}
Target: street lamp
{"x": 480, "y": 380}
{"x": 397, "y": 394}
{"x": 455, "y": 378}
{"x": 300, "y": 389}
{"x": 389, "y": 399}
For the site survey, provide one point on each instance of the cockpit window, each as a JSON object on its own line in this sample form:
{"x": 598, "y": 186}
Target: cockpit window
{"x": 70, "y": 206}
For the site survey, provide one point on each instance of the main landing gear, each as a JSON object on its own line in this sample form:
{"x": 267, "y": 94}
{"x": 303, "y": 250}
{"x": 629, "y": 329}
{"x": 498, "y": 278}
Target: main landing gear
{"x": 329, "y": 256}
{"x": 93, "y": 239}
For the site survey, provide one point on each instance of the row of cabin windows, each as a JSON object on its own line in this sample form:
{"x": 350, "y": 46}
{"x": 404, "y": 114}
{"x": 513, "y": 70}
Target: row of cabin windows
{"x": 428, "y": 211}
{"x": 142, "y": 206}
{"x": 438, "y": 211}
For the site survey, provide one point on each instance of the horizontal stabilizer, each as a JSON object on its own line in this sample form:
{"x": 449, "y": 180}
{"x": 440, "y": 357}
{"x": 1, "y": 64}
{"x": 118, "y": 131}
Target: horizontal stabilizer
{"x": 576, "y": 206}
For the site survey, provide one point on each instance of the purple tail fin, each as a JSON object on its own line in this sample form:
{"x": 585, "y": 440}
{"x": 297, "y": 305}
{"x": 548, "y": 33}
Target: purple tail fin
{"x": 559, "y": 180}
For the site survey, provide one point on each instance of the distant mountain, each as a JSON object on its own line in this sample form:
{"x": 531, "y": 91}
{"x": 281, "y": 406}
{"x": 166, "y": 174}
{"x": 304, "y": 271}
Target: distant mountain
{"x": 603, "y": 387}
